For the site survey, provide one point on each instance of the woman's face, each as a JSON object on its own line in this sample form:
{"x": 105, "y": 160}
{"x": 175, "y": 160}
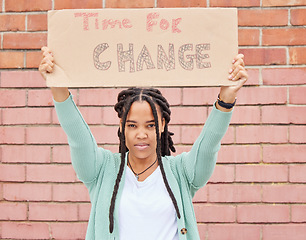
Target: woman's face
{"x": 140, "y": 131}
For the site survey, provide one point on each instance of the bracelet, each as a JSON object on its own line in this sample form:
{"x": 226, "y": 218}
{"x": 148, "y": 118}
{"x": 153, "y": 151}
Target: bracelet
{"x": 226, "y": 105}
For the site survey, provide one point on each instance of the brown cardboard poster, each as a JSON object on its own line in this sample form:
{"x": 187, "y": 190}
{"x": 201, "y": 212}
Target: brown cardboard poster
{"x": 142, "y": 47}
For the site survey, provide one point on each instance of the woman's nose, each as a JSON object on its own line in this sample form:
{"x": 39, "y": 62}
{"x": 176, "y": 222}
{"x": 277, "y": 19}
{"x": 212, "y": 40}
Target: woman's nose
{"x": 141, "y": 133}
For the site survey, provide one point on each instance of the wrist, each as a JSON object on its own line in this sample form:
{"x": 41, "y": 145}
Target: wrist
{"x": 224, "y": 105}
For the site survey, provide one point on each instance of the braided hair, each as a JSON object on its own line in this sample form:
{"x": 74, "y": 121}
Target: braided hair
{"x": 164, "y": 141}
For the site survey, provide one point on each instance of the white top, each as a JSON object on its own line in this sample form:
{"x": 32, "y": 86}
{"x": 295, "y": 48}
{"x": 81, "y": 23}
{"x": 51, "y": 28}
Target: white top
{"x": 146, "y": 210}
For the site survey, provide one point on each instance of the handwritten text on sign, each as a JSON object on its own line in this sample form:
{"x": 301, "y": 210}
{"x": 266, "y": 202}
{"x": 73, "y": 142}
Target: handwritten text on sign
{"x": 142, "y": 43}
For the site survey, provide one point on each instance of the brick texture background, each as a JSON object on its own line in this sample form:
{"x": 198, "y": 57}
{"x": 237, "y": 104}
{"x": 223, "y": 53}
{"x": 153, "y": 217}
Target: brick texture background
{"x": 258, "y": 189}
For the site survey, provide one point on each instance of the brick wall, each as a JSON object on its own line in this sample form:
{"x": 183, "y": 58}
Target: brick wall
{"x": 258, "y": 190}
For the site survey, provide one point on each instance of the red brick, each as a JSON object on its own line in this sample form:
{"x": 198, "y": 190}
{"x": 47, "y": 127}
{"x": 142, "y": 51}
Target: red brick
{"x": 11, "y": 59}
{"x": 262, "y": 95}
{"x": 209, "y": 213}
{"x": 50, "y": 173}
{"x": 297, "y": 95}
{"x": 190, "y": 134}
{"x": 53, "y": 212}
{"x": 202, "y": 228}
{"x": 188, "y": 115}
{"x": 286, "y": 36}
{"x": 61, "y": 154}
{"x": 173, "y": 95}
{"x": 34, "y": 40}
{"x": 13, "y": 211}
{"x": 40, "y": 98}
{"x": 239, "y": 154}
{"x": 230, "y": 193}
{"x": 279, "y": 193}
{"x": 246, "y": 115}
{"x": 12, "y": 173}
{"x": 77, "y": 4}
{"x": 281, "y": 76}
{"x": 298, "y": 213}
{"x": 98, "y": 97}
{"x": 25, "y": 230}
{"x": 264, "y": 56}
{"x": 105, "y": 135}
{"x": 297, "y": 173}
{"x": 201, "y": 195}
{"x": 68, "y": 231}
{"x": 223, "y": 174}
{"x": 297, "y": 55}
{"x": 12, "y": 98}
{"x": 248, "y": 37}
{"x": 92, "y": 115}
{"x": 253, "y": 77}
{"x": 110, "y": 116}
{"x": 45, "y": 135}
{"x": 262, "y": 134}
{"x": 261, "y": 173}
{"x": 129, "y": 4}
{"x": 298, "y": 16}
{"x": 22, "y": 79}
{"x": 37, "y": 22}
{"x": 27, "y": 5}
{"x": 263, "y": 17}
{"x": 284, "y": 231}
{"x": 200, "y": 96}
{"x": 33, "y": 59}
{"x": 263, "y": 213}
{"x": 25, "y": 154}
{"x": 13, "y": 135}
{"x": 284, "y": 153}
{"x": 13, "y": 116}
{"x": 234, "y": 231}
{"x": 84, "y": 211}
{"x": 27, "y": 192}
{"x": 70, "y": 192}
{"x": 297, "y": 134}
{"x": 10, "y": 22}
{"x": 284, "y": 114}
{"x": 271, "y": 3}
{"x": 234, "y": 3}
{"x": 180, "y": 3}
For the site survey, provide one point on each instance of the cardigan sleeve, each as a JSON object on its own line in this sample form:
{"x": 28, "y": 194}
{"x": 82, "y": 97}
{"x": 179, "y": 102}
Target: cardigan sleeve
{"x": 83, "y": 147}
{"x": 200, "y": 162}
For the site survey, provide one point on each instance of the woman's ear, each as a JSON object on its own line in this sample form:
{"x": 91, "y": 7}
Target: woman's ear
{"x": 163, "y": 125}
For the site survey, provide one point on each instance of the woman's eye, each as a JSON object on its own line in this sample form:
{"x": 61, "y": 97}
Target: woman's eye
{"x": 131, "y": 125}
{"x": 151, "y": 125}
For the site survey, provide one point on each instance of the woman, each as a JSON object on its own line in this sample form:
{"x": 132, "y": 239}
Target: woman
{"x": 142, "y": 192}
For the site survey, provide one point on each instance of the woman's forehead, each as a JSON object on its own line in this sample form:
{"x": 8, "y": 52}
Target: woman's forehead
{"x": 141, "y": 110}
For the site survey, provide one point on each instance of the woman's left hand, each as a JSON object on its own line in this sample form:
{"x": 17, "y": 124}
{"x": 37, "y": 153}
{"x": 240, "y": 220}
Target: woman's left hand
{"x": 238, "y": 74}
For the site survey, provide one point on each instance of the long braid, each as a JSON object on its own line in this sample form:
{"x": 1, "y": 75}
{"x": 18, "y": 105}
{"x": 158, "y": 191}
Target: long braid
{"x": 158, "y": 152}
{"x": 119, "y": 175}
{"x": 164, "y": 143}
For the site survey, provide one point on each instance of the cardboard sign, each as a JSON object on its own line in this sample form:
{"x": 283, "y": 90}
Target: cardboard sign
{"x": 142, "y": 47}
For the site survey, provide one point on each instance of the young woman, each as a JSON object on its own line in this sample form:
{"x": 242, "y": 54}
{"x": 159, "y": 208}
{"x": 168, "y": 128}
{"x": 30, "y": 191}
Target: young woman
{"x": 143, "y": 193}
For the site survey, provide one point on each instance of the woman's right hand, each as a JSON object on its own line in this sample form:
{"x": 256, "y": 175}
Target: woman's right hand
{"x": 47, "y": 63}
{"x": 46, "y": 66}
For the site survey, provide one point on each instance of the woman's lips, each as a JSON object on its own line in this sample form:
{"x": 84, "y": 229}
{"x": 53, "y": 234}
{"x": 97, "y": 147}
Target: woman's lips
{"x": 141, "y": 146}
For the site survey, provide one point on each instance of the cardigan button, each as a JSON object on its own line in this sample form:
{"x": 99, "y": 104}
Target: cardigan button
{"x": 183, "y": 231}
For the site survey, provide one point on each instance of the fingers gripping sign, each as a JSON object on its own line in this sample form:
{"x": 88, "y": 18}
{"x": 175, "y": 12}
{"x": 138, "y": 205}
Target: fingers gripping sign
{"x": 47, "y": 63}
{"x": 237, "y": 74}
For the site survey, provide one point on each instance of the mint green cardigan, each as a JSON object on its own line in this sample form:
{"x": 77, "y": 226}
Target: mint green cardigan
{"x": 97, "y": 168}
